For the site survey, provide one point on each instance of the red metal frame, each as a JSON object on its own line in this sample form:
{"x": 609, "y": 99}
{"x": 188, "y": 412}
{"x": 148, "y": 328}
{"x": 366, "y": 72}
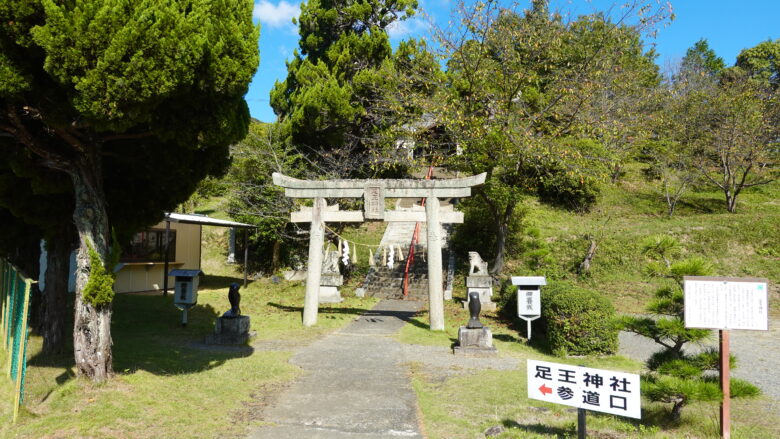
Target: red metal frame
{"x": 410, "y": 256}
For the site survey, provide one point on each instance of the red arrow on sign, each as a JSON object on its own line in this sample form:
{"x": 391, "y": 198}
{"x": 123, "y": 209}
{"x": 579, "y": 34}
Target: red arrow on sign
{"x": 545, "y": 390}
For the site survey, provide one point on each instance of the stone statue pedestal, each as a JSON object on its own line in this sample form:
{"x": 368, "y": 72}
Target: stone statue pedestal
{"x": 231, "y": 330}
{"x": 475, "y": 341}
{"x": 482, "y": 284}
{"x": 329, "y": 291}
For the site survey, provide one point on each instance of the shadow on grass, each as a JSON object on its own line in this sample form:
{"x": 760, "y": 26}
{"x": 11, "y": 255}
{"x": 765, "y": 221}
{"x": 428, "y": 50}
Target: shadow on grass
{"x": 509, "y": 338}
{"x": 701, "y": 205}
{"x": 539, "y": 428}
{"x": 538, "y": 340}
{"x": 322, "y": 310}
{"x": 148, "y": 335}
{"x": 213, "y": 282}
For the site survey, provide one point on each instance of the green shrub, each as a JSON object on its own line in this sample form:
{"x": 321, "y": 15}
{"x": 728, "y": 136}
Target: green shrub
{"x": 99, "y": 290}
{"x": 578, "y": 321}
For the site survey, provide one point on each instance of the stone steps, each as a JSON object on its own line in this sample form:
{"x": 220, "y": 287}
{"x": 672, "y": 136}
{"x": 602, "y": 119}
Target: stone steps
{"x": 385, "y": 283}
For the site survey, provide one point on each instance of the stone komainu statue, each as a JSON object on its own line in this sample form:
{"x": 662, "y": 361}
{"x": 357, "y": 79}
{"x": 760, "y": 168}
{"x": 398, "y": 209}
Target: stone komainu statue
{"x": 235, "y": 299}
{"x": 476, "y": 264}
{"x": 330, "y": 264}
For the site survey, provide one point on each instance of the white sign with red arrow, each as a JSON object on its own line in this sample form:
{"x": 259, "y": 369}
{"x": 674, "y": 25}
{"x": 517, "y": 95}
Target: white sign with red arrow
{"x": 584, "y": 387}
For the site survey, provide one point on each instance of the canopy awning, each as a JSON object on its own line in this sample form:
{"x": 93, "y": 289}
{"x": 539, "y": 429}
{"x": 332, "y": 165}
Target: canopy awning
{"x": 204, "y": 221}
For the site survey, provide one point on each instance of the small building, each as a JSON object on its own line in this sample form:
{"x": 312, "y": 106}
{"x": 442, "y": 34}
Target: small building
{"x": 143, "y": 263}
{"x": 426, "y": 138}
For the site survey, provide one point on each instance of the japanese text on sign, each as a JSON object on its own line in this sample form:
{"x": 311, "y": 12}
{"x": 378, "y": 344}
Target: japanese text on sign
{"x": 725, "y": 303}
{"x": 587, "y": 388}
{"x": 528, "y": 303}
{"x": 374, "y": 202}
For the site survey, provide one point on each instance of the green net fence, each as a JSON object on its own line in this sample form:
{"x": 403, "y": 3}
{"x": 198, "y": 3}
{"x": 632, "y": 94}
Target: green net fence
{"x": 15, "y": 296}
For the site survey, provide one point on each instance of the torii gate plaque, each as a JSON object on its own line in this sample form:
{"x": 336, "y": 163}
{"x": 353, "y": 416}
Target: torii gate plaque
{"x": 373, "y": 193}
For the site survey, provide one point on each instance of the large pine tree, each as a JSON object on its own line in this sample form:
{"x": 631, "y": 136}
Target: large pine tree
{"x": 330, "y": 105}
{"x": 134, "y": 102}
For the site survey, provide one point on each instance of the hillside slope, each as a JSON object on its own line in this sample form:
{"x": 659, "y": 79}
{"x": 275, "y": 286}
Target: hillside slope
{"x": 745, "y": 243}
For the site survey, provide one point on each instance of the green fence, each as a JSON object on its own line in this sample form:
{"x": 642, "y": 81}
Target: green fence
{"x": 15, "y": 296}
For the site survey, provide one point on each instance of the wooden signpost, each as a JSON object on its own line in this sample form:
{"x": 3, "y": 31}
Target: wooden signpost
{"x": 725, "y": 303}
{"x": 529, "y": 304}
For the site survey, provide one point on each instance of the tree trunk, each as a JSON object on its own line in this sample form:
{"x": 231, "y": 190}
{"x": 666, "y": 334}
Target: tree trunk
{"x": 677, "y": 409}
{"x": 616, "y": 171}
{"x": 503, "y": 230}
{"x": 275, "y": 256}
{"x": 731, "y": 202}
{"x": 55, "y": 293}
{"x": 585, "y": 265}
{"x": 92, "y": 325}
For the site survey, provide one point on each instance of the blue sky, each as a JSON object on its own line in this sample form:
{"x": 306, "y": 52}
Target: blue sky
{"x": 728, "y": 26}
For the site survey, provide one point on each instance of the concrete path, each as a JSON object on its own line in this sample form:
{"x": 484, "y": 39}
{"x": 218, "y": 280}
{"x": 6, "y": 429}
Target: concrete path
{"x": 355, "y": 384}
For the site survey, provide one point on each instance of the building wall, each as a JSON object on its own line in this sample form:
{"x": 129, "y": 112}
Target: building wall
{"x": 135, "y": 277}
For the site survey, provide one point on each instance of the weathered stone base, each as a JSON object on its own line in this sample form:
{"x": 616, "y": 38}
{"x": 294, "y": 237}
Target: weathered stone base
{"x": 330, "y": 295}
{"x": 293, "y": 275}
{"x": 475, "y": 341}
{"x": 231, "y": 331}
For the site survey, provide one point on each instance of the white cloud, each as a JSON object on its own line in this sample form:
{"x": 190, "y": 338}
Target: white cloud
{"x": 279, "y": 15}
{"x": 401, "y": 29}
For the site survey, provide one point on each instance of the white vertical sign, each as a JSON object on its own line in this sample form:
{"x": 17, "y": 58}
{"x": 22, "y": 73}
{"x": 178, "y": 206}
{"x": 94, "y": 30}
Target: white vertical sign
{"x": 529, "y": 303}
{"x": 726, "y": 303}
{"x": 605, "y": 391}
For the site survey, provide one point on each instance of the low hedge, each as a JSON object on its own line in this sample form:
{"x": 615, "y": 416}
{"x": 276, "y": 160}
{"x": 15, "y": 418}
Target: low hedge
{"x": 578, "y": 321}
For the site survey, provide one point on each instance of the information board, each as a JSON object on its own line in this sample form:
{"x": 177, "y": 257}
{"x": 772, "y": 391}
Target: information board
{"x": 725, "y": 303}
{"x": 605, "y": 391}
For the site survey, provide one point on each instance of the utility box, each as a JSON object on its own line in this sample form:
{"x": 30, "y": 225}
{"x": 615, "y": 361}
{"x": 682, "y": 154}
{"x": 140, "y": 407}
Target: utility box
{"x": 186, "y": 288}
{"x": 529, "y": 304}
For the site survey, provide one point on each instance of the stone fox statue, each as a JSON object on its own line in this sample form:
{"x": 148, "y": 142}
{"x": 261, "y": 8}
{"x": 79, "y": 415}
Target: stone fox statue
{"x": 234, "y": 299}
{"x": 476, "y": 264}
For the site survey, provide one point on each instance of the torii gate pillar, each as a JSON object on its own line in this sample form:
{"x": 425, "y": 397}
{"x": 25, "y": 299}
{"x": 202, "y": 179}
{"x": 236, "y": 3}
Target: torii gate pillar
{"x": 316, "y": 240}
{"x": 435, "y": 291}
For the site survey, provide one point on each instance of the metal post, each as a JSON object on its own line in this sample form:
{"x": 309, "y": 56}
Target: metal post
{"x": 581, "y": 427}
{"x": 314, "y": 272}
{"x": 246, "y": 253}
{"x": 21, "y": 358}
{"x": 184, "y": 316}
{"x": 10, "y": 320}
{"x": 3, "y": 300}
{"x": 165, "y": 269}
{"x": 435, "y": 292}
{"x": 725, "y": 406}
{"x": 528, "y": 326}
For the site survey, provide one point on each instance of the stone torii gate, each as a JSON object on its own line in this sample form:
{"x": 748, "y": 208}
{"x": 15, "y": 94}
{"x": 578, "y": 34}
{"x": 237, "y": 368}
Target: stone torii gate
{"x": 374, "y": 193}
